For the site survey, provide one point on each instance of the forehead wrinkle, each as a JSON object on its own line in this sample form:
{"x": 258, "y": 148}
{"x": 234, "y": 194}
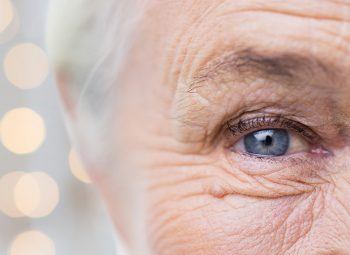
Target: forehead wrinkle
{"x": 285, "y": 68}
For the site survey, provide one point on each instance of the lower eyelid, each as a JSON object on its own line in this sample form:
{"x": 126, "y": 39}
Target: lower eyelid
{"x": 301, "y": 153}
{"x": 301, "y": 164}
{"x": 276, "y": 178}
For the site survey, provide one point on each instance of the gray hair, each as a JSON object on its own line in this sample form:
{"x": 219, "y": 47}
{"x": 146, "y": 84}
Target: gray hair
{"x": 87, "y": 43}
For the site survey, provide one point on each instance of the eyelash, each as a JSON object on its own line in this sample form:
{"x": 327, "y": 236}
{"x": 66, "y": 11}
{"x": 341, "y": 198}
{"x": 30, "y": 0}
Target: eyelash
{"x": 245, "y": 126}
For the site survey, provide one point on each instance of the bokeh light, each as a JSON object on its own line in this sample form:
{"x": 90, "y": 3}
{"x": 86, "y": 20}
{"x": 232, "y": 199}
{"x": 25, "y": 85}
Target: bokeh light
{"x": 27, "y": 194}
{"x": 36, "y": 194}
{"x": 6, "y": 14}
{"x": 22, "y": 130}
{"x": 33, "y": 201}
{"x": 32, "y": 243}
{"x": 26, "y": 66}
{"x": 77, "y": 167}
{"x": 7, "y": 201}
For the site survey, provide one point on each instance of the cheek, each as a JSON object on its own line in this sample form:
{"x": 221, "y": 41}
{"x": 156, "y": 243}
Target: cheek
{"x": 187, "y": 217}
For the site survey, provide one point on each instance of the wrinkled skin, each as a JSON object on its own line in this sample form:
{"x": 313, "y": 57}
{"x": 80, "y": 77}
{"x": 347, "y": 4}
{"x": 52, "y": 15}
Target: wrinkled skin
{"x": 181, "y": 85}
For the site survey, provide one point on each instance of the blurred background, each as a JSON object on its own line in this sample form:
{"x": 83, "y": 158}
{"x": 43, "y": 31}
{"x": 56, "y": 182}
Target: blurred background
{"x": 47, "y": 205}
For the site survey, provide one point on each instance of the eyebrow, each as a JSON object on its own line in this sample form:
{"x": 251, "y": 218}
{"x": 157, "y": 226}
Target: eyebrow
{"x": 287, "y": 68}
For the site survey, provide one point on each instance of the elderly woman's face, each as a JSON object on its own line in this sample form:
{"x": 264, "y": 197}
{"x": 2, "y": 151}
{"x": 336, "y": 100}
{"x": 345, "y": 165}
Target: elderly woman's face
{"x": 234, "y": 120}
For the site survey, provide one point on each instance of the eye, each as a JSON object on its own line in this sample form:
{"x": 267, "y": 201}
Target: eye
{"x": 272, "y": 137}
{"x": 268, "y": 142}
{"x": 271, "y": 142}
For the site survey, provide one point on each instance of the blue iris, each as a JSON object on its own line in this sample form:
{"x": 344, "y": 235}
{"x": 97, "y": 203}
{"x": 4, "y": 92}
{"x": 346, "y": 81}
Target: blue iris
{"x": 267, "y": 142}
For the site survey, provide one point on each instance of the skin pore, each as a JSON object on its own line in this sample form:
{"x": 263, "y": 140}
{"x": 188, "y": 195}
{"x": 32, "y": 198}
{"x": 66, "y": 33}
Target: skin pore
{"x": 198, "y": 71}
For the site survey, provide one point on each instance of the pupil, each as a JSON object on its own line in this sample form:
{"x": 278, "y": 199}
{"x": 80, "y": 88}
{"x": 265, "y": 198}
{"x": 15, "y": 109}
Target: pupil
{"x": 268, "y": 141}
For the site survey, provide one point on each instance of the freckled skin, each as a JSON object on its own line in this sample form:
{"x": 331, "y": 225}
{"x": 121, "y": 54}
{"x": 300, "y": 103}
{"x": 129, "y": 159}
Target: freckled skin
{"x": 197, "y": 197}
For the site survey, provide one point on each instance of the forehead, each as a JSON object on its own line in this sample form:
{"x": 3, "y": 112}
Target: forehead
{"x": 195, "y": 32}
{"x": 315, "y": 9}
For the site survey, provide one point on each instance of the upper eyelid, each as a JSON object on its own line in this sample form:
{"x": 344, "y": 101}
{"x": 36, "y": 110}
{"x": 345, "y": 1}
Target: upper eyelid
{"x": 263, "y": 122}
